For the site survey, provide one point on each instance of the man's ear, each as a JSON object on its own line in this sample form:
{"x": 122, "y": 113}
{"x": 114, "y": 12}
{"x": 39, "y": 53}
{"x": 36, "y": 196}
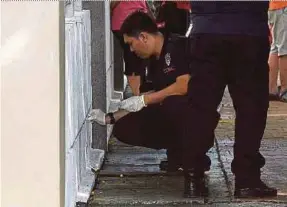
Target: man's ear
{"x": 143, "y": 36}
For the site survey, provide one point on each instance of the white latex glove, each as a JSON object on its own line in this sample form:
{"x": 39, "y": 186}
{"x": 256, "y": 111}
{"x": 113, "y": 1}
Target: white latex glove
{"x": 98, "y": 116}
{"x": 133, "y": 104}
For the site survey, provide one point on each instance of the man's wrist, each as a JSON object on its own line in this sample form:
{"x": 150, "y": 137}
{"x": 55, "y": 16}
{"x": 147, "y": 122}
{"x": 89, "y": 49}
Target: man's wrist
{"x": 145, "y": 99}
{"x": 107, "y": 119}
{"x": 112, "y": 118}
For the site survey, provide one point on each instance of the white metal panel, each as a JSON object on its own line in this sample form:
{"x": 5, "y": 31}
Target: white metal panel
{"x": 79, "y": 178}
{"x": 80, "y": 157}
{"x": 109, "y": 71}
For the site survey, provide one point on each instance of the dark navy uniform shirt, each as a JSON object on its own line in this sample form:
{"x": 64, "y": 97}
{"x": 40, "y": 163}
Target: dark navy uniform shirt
{"x": 172, "y": 63}
{"x": 230, "y": 17}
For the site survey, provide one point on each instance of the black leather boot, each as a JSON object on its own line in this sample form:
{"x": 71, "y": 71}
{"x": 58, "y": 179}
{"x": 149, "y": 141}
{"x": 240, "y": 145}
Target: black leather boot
{"x": 253, "y": 189}
{"x": 195, "y": 184}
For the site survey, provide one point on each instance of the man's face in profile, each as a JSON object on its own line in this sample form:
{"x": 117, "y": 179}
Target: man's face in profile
{"x": 142, "y": 46}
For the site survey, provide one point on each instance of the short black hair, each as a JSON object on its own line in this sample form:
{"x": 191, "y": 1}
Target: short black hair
{"x": 138, "y": 22}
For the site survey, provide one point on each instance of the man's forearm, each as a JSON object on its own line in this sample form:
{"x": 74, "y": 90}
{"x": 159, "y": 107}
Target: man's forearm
{"x": 135, "y": 82}
{"x": 117, "y": 115}
{"x": 148, "y": 92}
{"x": 120, "y": 114}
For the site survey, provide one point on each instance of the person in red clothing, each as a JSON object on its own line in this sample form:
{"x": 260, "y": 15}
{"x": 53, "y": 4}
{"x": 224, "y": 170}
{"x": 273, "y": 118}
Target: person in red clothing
{"x": 134, "y": 66}
{"x": 278, "y": 53}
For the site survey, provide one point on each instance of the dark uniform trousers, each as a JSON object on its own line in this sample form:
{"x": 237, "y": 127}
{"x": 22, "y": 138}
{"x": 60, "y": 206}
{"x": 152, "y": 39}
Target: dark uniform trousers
{"x": 241, "y": 63}
{"x": 158, "y": 126}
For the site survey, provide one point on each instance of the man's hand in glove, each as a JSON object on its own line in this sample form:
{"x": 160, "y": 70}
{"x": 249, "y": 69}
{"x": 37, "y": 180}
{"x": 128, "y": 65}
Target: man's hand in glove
{"x": 98, "y": 116}
{"x": 133, "y": 104}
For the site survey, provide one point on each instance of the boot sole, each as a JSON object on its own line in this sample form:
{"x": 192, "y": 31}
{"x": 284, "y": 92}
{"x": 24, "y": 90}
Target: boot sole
{"x": 255, "y": 194}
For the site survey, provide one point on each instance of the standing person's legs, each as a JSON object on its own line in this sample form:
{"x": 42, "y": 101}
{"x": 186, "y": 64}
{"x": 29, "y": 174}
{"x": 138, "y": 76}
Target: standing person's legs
{"x": 205, "y": 92}
{"x": 283, "y": 75}
{"x": 273, "y": 75}
{"x": 248, "y": 86}
{"x": 282, "y": 51}
{"x": 278, "y": 19}
{"x": 273, "y": 58}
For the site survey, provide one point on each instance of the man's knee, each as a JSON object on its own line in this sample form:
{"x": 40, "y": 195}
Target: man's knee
{"x": 173, "y": 100}
{"x": 175, "y": 104}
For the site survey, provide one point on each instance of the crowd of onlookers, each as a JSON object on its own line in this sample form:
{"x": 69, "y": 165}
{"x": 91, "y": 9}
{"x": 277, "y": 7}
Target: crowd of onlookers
{"x": 173, "y": 16}
{"x": 278, "y": 52}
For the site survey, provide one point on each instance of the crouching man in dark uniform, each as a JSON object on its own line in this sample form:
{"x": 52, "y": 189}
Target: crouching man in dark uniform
{"x": 155, "y": 119}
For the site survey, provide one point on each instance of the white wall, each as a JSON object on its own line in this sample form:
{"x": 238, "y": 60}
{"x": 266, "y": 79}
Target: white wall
{"x": 32, "y": 150}
{"x": 45, "y": 98}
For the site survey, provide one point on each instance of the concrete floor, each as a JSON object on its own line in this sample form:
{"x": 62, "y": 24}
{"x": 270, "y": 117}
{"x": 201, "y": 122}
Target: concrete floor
{"x": 131, "y": 176}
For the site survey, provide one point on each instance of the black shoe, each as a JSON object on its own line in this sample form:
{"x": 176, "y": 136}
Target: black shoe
{"x": 195, "y": 185}
{"x": 169, "y": 166}
{"x": 258, "y": 189}
{"x": 274, "y": 97}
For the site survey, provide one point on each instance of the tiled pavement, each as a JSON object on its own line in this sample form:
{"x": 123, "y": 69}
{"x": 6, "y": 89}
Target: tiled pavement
{"x": 131, "y": 177}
